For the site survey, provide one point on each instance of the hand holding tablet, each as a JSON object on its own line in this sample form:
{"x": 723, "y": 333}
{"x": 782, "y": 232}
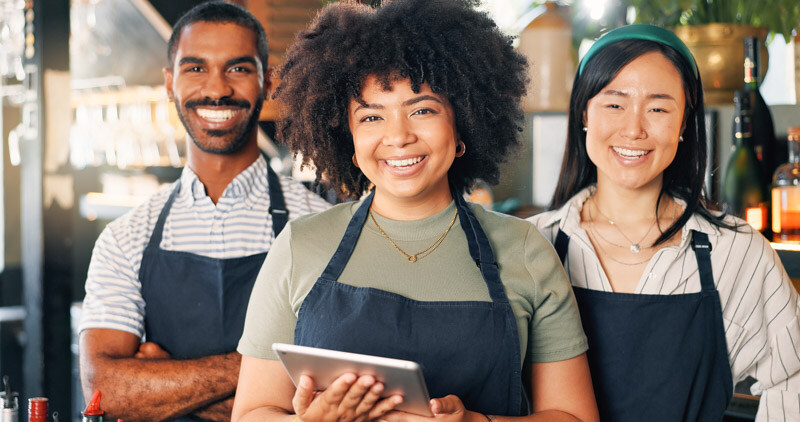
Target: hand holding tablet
{"x": 399, "y": 377}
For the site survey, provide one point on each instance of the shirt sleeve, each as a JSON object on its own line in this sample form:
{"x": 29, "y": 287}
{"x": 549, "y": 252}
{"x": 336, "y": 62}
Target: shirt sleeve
{"x": 297, "y": 193}
{"x": 270, "y": 314}
{"x": 556, "y": 332}
{"x": 113, "y": 291}
{"x": 767, "y": 347}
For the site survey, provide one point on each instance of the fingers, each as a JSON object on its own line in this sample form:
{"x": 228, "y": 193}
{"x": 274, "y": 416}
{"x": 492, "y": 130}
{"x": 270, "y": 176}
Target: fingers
{"x": 150, "y": 350}
{"x": 446, "y": 405}
{"x": 384, "y": 406}
{"x": 304, "y": 395}
{"x": 369, "y": 399}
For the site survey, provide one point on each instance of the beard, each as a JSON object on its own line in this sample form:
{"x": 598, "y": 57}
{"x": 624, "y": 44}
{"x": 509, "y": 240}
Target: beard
{"x": 222, "y": 141}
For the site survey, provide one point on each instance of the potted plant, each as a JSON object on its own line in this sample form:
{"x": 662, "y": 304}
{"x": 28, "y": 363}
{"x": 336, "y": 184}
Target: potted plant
{"x": 714, "y": 31}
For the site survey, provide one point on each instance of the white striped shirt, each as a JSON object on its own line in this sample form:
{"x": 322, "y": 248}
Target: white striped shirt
{"x": 760, "y": 307}
{"x": 238, "y": 225}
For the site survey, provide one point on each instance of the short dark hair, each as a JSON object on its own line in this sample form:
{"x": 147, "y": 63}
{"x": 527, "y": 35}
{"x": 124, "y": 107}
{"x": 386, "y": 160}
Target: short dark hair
{"x": 684, "y": 177}
{"x": 456, "y": 49}
{"x": 219, "y": 12}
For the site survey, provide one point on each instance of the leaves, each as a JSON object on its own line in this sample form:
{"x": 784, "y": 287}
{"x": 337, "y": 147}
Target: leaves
{"x": 780, "y": 16}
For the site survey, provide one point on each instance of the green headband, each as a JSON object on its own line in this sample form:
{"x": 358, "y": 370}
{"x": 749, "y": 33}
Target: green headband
{"x": 640, "y": 32}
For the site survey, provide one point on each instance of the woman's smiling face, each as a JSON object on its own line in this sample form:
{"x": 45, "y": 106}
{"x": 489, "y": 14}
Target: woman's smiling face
{"x": 404, "y": 141}
{"x": 634, "y": 123}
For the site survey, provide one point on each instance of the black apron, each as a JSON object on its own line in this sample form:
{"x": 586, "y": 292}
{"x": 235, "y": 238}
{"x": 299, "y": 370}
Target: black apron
{"x": 467, "y": 348}
{"x": 657, "y": 357}
{"x": 195, "y": 305}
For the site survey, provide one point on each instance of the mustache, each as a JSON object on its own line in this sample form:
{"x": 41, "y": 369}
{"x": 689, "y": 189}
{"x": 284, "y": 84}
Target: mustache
{"x": 219, "y": 102}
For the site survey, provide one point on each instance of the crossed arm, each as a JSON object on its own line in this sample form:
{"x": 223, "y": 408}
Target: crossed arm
{"x": 144, "y": 383}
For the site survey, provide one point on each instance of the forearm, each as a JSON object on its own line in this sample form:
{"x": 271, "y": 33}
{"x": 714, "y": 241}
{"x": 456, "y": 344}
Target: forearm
{"x": 157, "y": 389}
{"x": 216, "y": 411}
{"x": 545, "y": 415}
{"x": 272, "y": 414}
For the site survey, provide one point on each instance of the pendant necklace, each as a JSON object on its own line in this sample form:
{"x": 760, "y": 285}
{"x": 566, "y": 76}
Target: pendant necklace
{"x": 635, "y": 247}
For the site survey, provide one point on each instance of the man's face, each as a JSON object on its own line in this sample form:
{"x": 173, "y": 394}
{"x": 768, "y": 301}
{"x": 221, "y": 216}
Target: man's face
{"x": 218, "y": 84}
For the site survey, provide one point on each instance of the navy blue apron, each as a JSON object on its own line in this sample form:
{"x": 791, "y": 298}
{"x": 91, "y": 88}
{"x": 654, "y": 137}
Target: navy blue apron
{"x": 195, "y": 305}
{"x": 467, "y": 348}
{"x": 657, "y": 357}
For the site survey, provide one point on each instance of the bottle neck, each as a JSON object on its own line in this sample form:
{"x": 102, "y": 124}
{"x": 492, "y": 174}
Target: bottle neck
{"x": 742, "y": 130}
{"x": 750, "y": 73}
{"x": 794, "y": 151}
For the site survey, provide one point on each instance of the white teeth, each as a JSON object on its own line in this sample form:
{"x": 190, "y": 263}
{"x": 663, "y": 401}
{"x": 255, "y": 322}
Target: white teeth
{"x": 630, "y": 153}
{"x": 216, "y": 115}
{"x": 404, "y": 163}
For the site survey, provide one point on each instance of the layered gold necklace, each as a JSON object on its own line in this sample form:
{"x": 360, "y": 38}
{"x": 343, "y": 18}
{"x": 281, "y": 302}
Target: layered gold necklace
{"x": 423, "y": 253}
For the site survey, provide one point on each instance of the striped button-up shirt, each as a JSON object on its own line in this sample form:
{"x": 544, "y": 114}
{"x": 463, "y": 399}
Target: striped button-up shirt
{"x": 760, "y": 307}
{"x": 238, "y": 225}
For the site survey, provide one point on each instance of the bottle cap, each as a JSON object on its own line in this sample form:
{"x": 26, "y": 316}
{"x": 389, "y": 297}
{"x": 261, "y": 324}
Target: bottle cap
{"x": 93, "y": 408}
{"x": 37, "y": 408}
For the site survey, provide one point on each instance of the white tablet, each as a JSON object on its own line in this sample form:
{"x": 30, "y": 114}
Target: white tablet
{"x": 401, "y": 377}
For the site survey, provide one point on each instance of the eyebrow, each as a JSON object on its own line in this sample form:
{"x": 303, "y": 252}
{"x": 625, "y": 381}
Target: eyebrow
{"x": 617, "y": 93}
{"x": 237, "y": 60}
{"x": 406, "y": 103}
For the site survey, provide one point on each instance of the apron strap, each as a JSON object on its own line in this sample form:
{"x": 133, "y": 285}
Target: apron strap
{"x": 155, "y": 237}
{"x": 480, "y": 249}
{"x": 702, "y": 251}
{"x": 348, "y": 243}
{"x": 562, "y": 246}
{"x": 277, "y": 205}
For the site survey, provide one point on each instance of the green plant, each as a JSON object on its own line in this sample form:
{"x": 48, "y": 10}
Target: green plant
{"x": 780, "y": 16}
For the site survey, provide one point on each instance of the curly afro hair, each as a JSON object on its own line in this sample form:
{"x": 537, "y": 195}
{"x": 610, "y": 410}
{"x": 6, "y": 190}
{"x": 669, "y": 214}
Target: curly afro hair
{"x": 448, "y": 44}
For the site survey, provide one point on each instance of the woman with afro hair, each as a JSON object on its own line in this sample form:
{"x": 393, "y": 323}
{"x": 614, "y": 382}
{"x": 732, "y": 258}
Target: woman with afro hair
{"x": 411, "y": 103}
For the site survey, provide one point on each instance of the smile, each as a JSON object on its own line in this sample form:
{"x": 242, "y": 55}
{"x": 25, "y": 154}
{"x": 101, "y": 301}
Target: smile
{"x": 407, "y": 162}
{"x": 630, "y": 153}
{"x": 216, "y": 116}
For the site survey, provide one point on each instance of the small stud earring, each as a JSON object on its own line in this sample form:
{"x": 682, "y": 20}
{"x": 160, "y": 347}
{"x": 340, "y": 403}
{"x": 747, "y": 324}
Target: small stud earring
{"x": 585, "y": 129}
{"x": 680, "y": 138}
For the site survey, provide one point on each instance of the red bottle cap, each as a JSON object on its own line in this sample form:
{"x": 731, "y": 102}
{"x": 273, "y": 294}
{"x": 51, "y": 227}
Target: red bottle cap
{"x": 37, "y": 409}
{"x": 93, "y": 408}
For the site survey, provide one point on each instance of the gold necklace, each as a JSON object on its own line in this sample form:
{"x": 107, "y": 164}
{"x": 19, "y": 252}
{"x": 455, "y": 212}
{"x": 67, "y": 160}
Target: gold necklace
{"x": 423, "y": 253}
{"x": 635, "y": 247}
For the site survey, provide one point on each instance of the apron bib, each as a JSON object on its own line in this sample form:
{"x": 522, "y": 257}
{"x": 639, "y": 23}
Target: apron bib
{"x": 657, "y": 357}
{"x": 195, "y": 305}
{"x": 467, "y": 348}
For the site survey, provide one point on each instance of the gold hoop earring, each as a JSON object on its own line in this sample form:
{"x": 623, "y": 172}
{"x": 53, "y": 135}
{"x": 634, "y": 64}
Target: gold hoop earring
{"x": 355, "y": 162}
{"x": 460, "y": 151}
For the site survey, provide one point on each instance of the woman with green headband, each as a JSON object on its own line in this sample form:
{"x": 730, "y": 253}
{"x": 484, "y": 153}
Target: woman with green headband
{"x": 678, "y": 301}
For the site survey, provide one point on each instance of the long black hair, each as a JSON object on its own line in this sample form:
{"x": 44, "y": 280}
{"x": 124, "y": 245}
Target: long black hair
{"x": 684, "y": 177}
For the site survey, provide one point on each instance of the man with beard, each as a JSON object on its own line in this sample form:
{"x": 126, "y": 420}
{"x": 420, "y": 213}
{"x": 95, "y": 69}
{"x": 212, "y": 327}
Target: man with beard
{"x": 177, "y": 271}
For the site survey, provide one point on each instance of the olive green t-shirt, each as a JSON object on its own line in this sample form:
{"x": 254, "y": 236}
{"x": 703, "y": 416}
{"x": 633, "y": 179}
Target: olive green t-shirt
{"x": 535, "y": 282}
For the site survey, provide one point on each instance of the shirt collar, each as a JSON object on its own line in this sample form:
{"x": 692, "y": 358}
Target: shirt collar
{"x": 568, "y": 217}
{"x": 244, "y": 186}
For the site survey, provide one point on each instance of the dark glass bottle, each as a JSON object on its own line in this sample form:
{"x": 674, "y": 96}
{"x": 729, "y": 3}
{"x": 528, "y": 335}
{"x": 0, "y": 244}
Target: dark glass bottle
{"x": 743, "y": 193}
{"x": 764, "y": 142}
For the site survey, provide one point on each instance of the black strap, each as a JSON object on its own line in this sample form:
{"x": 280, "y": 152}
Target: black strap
{"x": 562, "y": 245}
{"x": 277, "y": 206}
{"x": 702, "y": 252}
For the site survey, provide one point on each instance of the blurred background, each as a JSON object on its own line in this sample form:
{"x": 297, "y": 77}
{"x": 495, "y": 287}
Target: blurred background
{"x": 87, "y": 132}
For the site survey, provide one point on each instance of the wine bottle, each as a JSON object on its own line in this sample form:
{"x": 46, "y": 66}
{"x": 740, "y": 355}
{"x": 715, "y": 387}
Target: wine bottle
{"x": 743, "y": 193}
{"x": 764, "y": 142}
{"x": 786, "y": 194}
